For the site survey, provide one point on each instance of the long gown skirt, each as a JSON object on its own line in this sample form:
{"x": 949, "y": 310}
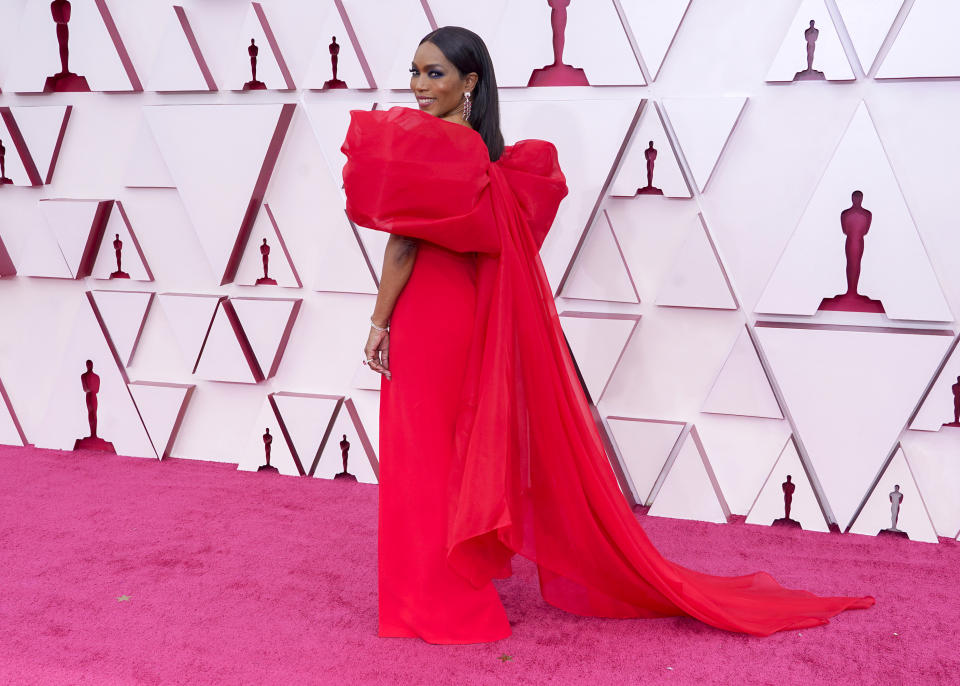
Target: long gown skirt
{"x": 430, "y": 333}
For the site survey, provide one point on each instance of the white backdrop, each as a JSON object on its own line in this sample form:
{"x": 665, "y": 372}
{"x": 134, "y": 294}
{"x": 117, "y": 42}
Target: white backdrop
{"x": 692, "y": 315}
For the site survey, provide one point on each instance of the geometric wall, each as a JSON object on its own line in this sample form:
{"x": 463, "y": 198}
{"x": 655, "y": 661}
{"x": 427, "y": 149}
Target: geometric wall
{"x": 738, "y": 313}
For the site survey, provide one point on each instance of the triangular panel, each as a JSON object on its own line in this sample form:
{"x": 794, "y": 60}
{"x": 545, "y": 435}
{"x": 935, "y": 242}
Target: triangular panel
{"x": 190, "y": 316}
{"x": 123, "y": 314}
{"x": 306, "y": 421}
{"x": 599, "y": 272}
{"x": 226, "y": 354}
{"x": 271, "y": 67}
{"x": 119, "y": 237}
{"x": 850, "y": 393}
{"x": 597, "y": 342}
{"x": 702, "y": 127}
{"x": 896, "y": 503}
{"x": 934, "y": 465}
{"x": 267, "y": 323}
{"x": 926, "y": 46}
{"x": 654, "y": 23}
{"x": 690, "y": 490}
{"x": 634, "y": 176}
{"x": 253, "y": 455}
{"x": 146, "y": 167}
{"x": 771, "y": 504}
{"x": 645, "y": 446}
{"x": 180, "y": 65}
{"x": 696, "y": 278}
{"x": 360, "y": 463}
{"x": 894, "y": 269}
{"x": 868, "y": 22}
{"x": 266, "y": 241}
{"x": 742, "y": 387}
{"x": 353, "y": 71}
{"x": 161, "y": 407}
{"x": 803, "y": 41}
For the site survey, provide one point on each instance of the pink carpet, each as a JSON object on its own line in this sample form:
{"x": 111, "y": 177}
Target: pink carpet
{"x": 243, "y": 578}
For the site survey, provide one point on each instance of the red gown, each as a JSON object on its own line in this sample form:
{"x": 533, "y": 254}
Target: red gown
{"x": 487, "y": 444}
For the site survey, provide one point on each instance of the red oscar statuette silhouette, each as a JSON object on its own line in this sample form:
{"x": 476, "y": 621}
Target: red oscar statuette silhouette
{"x": 253, "y": 84}
{"x": 65, "y": 81}
{"x": 650, "y": 154}
{"x": 3, "y": 166}
{"x": 956, "y": 404}
{"x": 267, "y": 440}
{"x": 91, "y": 386}
{"x": 810, "y": 35}
{"x": 855, "y": 223}
{"x": 788, "y": 488}
{"x": 265, "y": 256}
{"x": 118, "y": 249}
{"x": 334, "y": 82}
{"x": 558, "y": 73}
{"x": 344, "y": 449}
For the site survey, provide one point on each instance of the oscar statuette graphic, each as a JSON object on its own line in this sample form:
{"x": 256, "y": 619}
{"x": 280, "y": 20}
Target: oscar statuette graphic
{"x": 855, "y": 223}
{"x": 788, "y": 489}
{"x": 558, "y": 73}
{"x": 253, "y": 85}
{"x": 118, "y": 249}
{"x": 334, "y": 57}
{"x": 3, "y": 166}
{"x": 344, "y": 449}
{"x": 265, "y": 256}
{"x": 90, "y": 381}
{"x": 956, "y": 404}
{"x": 65, "y": 81}
{"x": 650, "y": 154}
{"x": 810, "y": 35}
{"x": 267, "y": 440}
{"x": 896, "y": 497}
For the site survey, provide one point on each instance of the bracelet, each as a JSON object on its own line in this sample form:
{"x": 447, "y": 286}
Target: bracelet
{"x": 379, "y": 328}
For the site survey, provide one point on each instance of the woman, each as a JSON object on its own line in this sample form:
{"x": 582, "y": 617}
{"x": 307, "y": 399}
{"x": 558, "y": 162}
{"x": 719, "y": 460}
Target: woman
{"x": 487, "y": 445}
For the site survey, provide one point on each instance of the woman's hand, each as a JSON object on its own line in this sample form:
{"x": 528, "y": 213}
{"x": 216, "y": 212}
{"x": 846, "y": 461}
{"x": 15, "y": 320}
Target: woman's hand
{"x": 377, "y": 351}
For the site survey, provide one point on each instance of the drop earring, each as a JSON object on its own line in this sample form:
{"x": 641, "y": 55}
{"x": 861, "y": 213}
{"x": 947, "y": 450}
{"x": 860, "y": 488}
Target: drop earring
{"x": 466, "y": 106}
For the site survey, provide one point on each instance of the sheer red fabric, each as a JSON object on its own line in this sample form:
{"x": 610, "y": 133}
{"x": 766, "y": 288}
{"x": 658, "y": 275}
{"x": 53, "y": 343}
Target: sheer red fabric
{"x": 523, "y": 466}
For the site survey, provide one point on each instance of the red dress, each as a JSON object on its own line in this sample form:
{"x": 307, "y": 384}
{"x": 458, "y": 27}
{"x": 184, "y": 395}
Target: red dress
{"x": 487, "y": 445}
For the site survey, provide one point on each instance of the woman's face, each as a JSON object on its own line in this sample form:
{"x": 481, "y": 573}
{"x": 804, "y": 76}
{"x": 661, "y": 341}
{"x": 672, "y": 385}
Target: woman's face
{"x": 438, "y": 85}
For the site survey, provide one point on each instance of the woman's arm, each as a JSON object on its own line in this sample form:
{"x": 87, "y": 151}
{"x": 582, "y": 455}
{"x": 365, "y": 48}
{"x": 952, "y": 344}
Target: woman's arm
{"x": 398, "y": 259}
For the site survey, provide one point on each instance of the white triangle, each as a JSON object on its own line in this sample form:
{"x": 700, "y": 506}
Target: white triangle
{"x": 72, "y": 224}
{"x": 597, "y": 342}
{"x": 828, "y": 56}
{"x": 599, "y": 272}
{"x": 161, "y": 408}
{"x": 15, "y": 165}
{"x": 937, "y": 408}
{"x": 42, "y": 255}
{"x": 868, "y": 22}
{"x": 667, "y": 175}
{"x": 93, "y": 53}
{"x": 830, "y": 378}
{"x": 145, "y": 166}
{"x": 267, "y": 324}
{"x": 895, "y": 268}
{"x": 926, "y": 46}
{"x": 329, "y": 122}
{"x": 654, "y": 24}
{"x": 331, "y": 460}
{"x": 342, "y": 266}
{"x": 223, "y": 357}
{"x": 348, "y": 61}
{"x": 253, "y": 454}
{"x": 389, "y": 29}
{"x": 123, "y": 314}
{"x": 770, "y": 505}
{"x": 177, "y": 66}
{"x": 279, "y": 265}
{"x": 66, "y": 416}
{"x": 306, "y": 418}
{"x": 190, "y": 316}
{"x": 912, "y": 516}
{"x": 702, "y": 127}
{"x": 696, "y": 278}
{"x": 742, "y": 387}
{"x": 131, "y": 258}
{"x": 933, "y": 461}
{"x": 742, "y": 451}
{"x": 9, "y": 434}
{"x": 688, "y": 491}
{"x": 644, "y": 446}
{"x": 271, "y": 66}
{"x": 42, "y": 129}
{"x": 216, "y": 152}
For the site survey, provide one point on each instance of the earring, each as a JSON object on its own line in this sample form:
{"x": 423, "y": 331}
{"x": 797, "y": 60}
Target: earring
{"x": 466, "y": 106}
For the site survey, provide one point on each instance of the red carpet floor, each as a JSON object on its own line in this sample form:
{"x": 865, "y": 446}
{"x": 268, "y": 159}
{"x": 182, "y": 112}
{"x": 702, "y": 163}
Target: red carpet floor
{"x": 121, "y": 570}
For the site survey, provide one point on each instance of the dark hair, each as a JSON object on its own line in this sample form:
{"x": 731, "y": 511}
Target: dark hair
{"x": 468, "y": 53}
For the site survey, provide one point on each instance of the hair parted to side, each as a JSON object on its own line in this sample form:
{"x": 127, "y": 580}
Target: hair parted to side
{"x": 468, "y": 53}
